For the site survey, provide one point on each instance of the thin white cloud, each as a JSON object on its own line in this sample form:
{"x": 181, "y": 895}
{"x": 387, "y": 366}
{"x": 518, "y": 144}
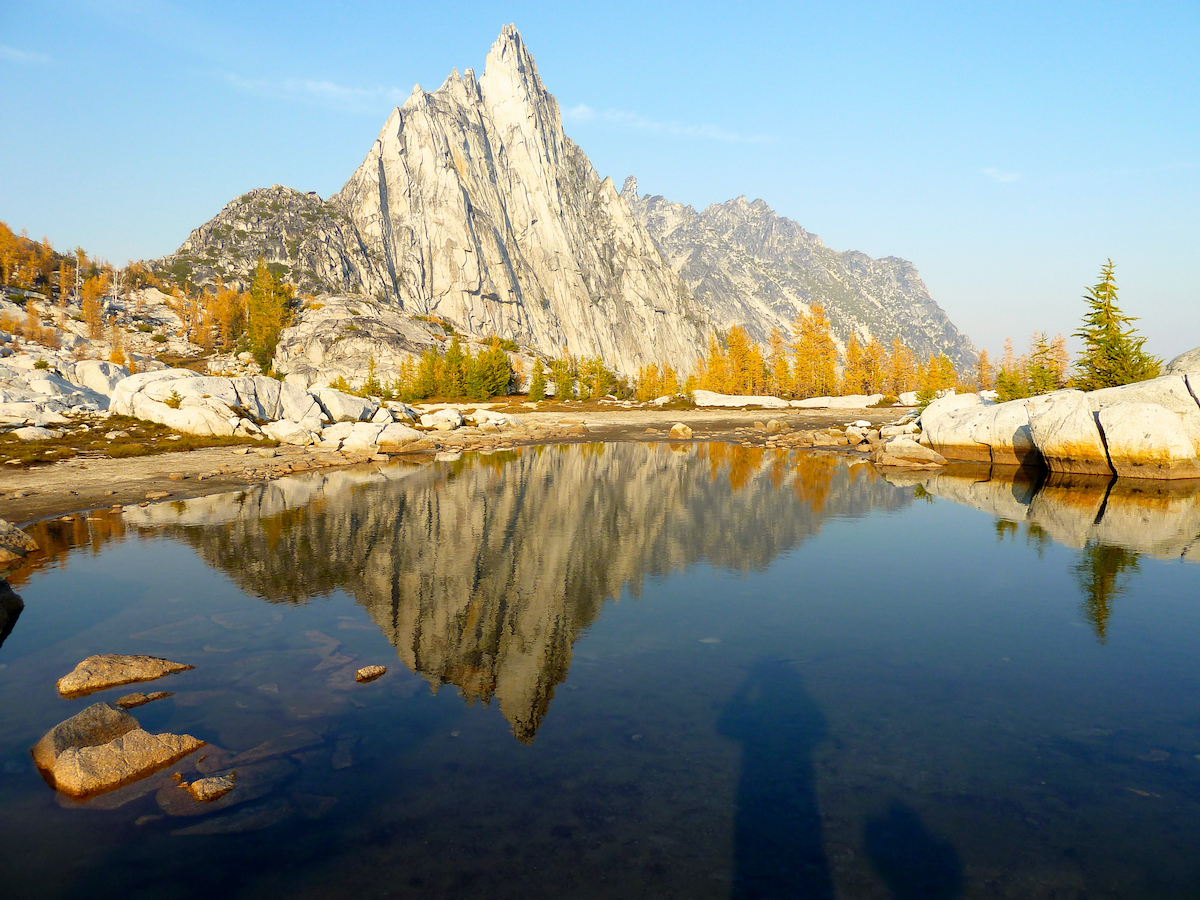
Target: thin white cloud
{"x": 1001, "y": 177}
{"x": 635, "y": 122}
{"x": 325, "y": 93}
{"x": 26, "y": 57}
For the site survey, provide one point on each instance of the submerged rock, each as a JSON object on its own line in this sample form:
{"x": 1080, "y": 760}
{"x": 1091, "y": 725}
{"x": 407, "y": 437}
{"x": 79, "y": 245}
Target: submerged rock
{"x": 369, "y": 673}
{"x": 252, "y": 782}
{"x": 206, "y": 790}
{"x": 131, "y": 701}
{"x": 253, "y": 818}
{"x": 102, "y": 748}
{"x": 104, "y": 671}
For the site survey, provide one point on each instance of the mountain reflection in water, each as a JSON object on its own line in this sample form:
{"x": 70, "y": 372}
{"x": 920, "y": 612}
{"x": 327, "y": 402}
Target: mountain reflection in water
{"x": 483, "y": 573}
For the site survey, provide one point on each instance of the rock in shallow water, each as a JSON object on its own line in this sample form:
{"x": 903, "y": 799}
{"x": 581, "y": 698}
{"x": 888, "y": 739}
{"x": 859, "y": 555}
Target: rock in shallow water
{"x": 109, "y": 670}
{"x": 206, "y": 790}
{"x": 369, "y": 673}
{"x": 102, "y": 748}
{"x": 130, "y": 701}
{"x": 902, "y": 453}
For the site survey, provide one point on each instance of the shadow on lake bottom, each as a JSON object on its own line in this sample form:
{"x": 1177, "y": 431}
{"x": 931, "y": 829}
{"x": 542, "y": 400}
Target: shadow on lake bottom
{"x": 913, "y": 862}
{"x": 778, "y": 850}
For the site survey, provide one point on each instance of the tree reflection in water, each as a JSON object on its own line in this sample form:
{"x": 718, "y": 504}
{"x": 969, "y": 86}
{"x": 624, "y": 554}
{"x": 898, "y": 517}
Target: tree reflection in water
{"x": 1103, "y": 573}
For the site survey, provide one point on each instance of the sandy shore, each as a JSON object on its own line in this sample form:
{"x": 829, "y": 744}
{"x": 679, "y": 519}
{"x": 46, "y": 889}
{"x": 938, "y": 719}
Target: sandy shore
{"x": 79, "y": 485}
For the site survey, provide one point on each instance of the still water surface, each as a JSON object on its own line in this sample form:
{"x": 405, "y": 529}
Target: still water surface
{"x": 631, "y": 671}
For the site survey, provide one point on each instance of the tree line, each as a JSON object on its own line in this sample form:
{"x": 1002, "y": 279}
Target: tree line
{"x": 805, "y": 364}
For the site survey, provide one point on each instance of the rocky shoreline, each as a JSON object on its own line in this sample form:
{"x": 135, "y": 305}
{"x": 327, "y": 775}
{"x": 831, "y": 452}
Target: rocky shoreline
{"x": 79, "y": 485}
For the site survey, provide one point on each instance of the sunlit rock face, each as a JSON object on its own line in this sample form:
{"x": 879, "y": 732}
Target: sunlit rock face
{"x": 1149, "y": 429}
{"x": 748, "y": 265}
{"x": 484, "y": 212}
{"x": 482, "y": 573}
{"x": 474, "y": 208}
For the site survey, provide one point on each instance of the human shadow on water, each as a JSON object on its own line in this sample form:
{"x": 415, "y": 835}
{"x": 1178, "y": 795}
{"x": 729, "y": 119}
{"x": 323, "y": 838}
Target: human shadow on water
{"x": 913, "y": 862}
{"x": 777, "y": 840}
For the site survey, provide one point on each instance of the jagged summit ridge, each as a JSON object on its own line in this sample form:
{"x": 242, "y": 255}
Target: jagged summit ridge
{"x": 484, "y": 212}
{"x": 474, "y": 206}
{"x": 747, "y": 265}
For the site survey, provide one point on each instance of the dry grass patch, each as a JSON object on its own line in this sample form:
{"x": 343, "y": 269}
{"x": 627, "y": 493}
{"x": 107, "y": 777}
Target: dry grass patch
{"x": 139, "y": 439}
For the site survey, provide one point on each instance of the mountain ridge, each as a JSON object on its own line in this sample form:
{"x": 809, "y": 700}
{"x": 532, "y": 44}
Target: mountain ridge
{"x": 473, "y": 206}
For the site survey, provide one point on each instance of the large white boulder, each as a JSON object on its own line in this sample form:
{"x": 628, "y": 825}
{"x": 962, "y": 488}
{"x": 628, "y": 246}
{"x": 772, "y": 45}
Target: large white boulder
{"x": 343, "y": 407}
{"x": 98, "y": 375}
{"x": 362, "y": 436}
{"x": 1170, "y": 392}
{"x": 905, "y": 453}
{"x": 443, "y": 419}
{"x": 397, "y": 435}
{"x": 1065, "y": 432}
{"x": 289, "y": 433}
{"x": 258, "y": 395}
{"x": 1004, "y": 429}
{"x": 1147, "y": 440}
{"x": 126, "y": 388}
{"x": 204, "y": 387}
{"x": 1184, "y": 363}
{"x": 299, "y": 406}
{"x": 948, "y": 426}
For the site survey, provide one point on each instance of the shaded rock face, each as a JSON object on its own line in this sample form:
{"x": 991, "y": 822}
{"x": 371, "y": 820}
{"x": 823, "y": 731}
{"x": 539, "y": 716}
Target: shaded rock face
{"x": 103, "y": 747}
{"x": 748, "y": 265}
{"x": 483, "y": 572}
{"x": 310, "y": 242}
{"x": 11, "y": 606}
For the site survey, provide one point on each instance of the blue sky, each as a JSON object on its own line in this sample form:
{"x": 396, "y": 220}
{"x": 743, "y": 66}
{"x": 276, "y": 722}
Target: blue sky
{"x": 1006, "y": 149}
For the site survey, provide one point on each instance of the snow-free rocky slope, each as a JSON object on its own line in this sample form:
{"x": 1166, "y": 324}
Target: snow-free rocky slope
{"x": 475, "y": 207}
{"x": 748, "y": 265}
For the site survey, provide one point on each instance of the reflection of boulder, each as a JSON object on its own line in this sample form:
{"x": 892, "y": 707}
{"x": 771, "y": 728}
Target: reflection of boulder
{"x": 10, "y": 608}
{"x": 1005, "y": 498}
{"x": 482, "y": 572}
{"x": 1152, "y": 518}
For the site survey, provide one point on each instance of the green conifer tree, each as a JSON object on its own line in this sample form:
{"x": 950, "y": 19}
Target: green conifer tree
{"x": 1112, "y": 351}
{"x": 537, "y": 383}
{"x": 454, "y": 371}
